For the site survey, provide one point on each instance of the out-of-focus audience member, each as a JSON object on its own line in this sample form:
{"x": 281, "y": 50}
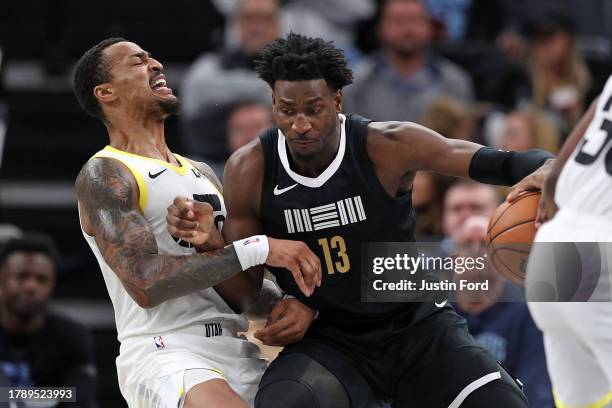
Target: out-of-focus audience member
{"x": 245, "y": 122}
{"x": 9, "y": 231}
{"x": 37, "y": 347}
{"x": 428, "y": 190}
{"x": 464, "y": 199}
{"x": 559, "y": 75}
{"x": 505, "y": 329}
{"x": 528, "y": 129}
{"x": 400, "y": 81}
{"x": 216, "y": 82}
{"x": 450, "y": 118}
{"x": 332, "y": 20}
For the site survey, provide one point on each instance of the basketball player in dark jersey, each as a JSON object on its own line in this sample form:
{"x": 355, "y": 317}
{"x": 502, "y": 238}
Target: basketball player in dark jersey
{"x": 335, "y": 182}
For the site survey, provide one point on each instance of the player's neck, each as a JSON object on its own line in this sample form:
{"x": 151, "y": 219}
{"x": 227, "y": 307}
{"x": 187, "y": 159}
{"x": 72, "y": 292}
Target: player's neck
{"x": 142, "y": 138}
{"x": 405, "y": 65}
{"x": 314, "y": 166}
{"x": 13, "y": 324}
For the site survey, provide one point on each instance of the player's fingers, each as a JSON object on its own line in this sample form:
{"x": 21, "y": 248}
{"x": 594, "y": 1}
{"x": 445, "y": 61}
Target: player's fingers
{"x": 267, "y": 334}
{"x": 299, "y": 278}
{"x": 311, "y": 267}
{"x": 183, "y": 234}
{"x": 181, "y": 202}
{"x": 202, "y": 208}
{"x": 173, "y": 210}
{"x": 541, "y": 216}
{"x": 514, "y": 192}
{"x": 277, "y": 312}
{"x": 316, "y": 264}
{"x": 181, "y": 223}
{"x": 310, "y": 276}
{"x": 284, "y": 337}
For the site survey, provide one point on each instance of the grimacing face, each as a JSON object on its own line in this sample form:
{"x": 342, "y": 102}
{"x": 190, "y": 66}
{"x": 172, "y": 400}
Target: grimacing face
{"x": 26, "y": 283}
{"x": 306, "y": 112}
{"x": 138, "y": 84}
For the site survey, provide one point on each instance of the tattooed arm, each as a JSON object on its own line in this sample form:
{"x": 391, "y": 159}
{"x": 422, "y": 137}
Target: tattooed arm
{"x": 108, "y": 198}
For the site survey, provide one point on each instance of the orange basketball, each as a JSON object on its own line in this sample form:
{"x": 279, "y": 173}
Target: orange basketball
{"x": 510, "y": 235}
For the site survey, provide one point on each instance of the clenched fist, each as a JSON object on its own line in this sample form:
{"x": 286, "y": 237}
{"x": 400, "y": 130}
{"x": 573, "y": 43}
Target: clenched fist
{"x": 193, "y": 221}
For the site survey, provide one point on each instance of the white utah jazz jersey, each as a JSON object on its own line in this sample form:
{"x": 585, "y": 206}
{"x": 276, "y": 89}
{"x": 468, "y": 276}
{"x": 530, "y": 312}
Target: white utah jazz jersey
{"x": 159, "y": 183}
{"x": 585, "y": 184}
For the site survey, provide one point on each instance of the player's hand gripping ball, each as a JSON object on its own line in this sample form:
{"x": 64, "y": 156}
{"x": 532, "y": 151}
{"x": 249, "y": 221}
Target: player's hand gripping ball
{"x": 510, "y": 235}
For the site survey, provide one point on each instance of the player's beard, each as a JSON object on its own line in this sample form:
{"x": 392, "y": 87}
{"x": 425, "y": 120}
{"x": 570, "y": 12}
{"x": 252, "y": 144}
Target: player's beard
{"x": 170, "y": 107}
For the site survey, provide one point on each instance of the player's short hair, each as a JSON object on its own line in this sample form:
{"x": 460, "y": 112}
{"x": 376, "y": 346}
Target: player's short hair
{"x": 301, "y": 58}
{"x": 91, "y": 71}
{"x": 32, "y": 243}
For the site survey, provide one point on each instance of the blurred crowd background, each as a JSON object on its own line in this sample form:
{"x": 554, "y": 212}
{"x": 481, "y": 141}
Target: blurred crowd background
{"x": 514, "y": 74}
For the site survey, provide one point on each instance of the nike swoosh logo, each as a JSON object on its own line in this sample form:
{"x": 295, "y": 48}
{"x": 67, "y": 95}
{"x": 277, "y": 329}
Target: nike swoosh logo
{"x": 156, "y": 174}
{"x": 279, "y": 191}
{"x": 441, "y": 304}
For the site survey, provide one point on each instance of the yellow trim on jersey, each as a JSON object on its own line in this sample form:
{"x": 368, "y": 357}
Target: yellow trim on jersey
{"x": 190, "y": 163}
{"x": 216, "y": 370}
{"x": 185, "y": 162}
{"x": 598, "y": 404}
{"x": 180, "y": 170}
{"x": 143, "y": 192}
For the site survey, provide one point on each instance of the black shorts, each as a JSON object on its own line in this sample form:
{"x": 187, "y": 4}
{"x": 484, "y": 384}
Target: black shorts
{"x": 430, "y": 363}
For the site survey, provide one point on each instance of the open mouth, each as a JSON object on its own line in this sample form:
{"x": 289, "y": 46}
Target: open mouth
{"x": 158, "y": 85}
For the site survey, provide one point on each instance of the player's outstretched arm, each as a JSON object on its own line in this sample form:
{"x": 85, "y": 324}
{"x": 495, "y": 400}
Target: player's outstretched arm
{"x": 408, "y": 147}
{"x": 108, "y": 199}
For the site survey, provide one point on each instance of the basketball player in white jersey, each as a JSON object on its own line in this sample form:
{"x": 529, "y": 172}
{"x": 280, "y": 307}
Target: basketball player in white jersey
{"x": 179, "y": 341}
{"x": 576, "y": 268}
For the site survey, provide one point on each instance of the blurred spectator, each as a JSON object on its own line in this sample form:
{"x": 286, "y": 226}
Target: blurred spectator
{"x": 399, "y": 82}
{"x": 526, "y": 130}
{"x": 39, "y": 348}
{"x": 559, "y": 75}
{"x": 450, "y": 118}
{"x": 215, "y": 83}
{"x": 332, "y": 20}
{"x": 450, "y": 17}
{"x": 505, "y": 329}
{"x": 9, "y": 231}
{"x": 464, "y": 199}
{"x": 246, "y": 121}
{"x": 428, "y": 190}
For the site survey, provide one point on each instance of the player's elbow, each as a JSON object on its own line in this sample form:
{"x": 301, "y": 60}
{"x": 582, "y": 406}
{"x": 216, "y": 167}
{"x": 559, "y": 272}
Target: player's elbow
{"x": 143, "y": 291}
{"x": 144, "y": 298}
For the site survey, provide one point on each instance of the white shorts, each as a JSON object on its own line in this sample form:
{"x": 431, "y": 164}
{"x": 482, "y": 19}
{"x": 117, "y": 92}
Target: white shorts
{"x": 577, "y": 335}
{"x": 158, "y": 371}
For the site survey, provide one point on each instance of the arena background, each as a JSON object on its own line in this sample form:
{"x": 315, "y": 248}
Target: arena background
{"x": 45, "y": 137}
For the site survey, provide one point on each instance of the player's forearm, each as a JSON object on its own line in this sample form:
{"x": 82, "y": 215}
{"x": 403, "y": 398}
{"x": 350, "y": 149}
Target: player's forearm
{"x": 155, "y": 279}
{"x": 261, "y": 306}
{"x": 504, "y": 168}
{"x": 242, "y": 290}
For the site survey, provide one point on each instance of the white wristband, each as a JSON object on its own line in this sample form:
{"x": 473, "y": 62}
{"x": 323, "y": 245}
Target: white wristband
{"x": 252, "y": 251}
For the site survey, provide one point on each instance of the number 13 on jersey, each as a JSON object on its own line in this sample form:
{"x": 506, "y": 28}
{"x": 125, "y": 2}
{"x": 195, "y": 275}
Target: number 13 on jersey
{"x": 334, "y": 252}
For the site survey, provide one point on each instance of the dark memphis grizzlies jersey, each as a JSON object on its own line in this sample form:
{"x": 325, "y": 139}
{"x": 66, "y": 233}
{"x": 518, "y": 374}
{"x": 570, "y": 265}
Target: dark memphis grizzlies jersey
{"x": 334, "y": 214}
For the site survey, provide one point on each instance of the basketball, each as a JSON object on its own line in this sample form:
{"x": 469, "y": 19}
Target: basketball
{"x": 510, "y": 234}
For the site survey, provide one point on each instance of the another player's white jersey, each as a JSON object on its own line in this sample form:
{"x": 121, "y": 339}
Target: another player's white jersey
{"x": 159, "y": 183}
{"x": 585, "y": 184}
